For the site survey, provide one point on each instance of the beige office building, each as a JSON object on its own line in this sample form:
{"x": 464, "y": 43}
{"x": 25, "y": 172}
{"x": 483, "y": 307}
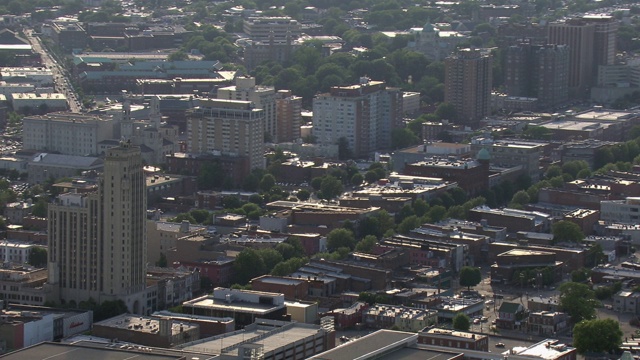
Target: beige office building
{"x": 262, "y": 97}
{"x": 227, "y": 127}
{"x": 97, "y": 240}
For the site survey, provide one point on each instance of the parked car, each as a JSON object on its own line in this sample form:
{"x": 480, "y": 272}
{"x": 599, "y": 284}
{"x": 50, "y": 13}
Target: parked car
{"x": 500, "y": 345}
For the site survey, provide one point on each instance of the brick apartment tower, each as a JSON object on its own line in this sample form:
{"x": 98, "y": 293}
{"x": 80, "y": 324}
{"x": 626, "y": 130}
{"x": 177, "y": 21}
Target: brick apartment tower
{"x": 468, "y": 77}
{"x": 539, "y": 71}
{"x": 288, "y": 116}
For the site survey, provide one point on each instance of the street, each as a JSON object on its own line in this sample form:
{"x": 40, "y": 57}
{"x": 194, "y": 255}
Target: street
{"x": 61, "y": 82}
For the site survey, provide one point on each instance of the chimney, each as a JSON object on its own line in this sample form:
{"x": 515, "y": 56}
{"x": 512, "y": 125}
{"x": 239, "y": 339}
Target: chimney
{"x": 184, "y": 226}
{"x": 166, "y": 326}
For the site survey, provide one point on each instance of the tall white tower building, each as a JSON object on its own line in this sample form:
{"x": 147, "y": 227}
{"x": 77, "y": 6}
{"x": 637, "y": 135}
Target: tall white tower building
{"x": 262, "y": 97}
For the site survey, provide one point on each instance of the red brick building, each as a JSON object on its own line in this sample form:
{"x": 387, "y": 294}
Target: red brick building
{"x": 453, "y": 339}
{"x": 219, "y": 272}
{"x": 236, "y": 168}
{"x": 471, "y": 175}
{"x": 292, "y": 288}
{"x": 348, "y": 317}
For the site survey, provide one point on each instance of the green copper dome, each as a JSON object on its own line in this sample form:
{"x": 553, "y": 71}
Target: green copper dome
{"x": 483, "y": 154}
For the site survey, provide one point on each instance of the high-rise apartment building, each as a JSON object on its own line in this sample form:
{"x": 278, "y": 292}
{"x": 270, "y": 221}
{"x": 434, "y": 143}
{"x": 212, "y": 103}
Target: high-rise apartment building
{"x": 227, "y": 127}
{"x": 263, "y": 97}
{"x": 578, "y": 35}
{"x": 538, "y": 71}
{"x": 604, "y": 39}
{"x": 364, "y": 114}
{"x": 592, "y": 42}
{"x": 288, "y": 116}
{"x": 97, "y": 239}
{"x": 468, "y": 76}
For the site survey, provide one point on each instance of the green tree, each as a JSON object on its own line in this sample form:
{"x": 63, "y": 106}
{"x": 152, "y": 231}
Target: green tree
{"x": 331, "y": 187}
{"x": 40, "y": 208}
{"x": 297, "y": 246}
{"x": 248, "y": 265}
{"x": 446, "y": 111}
{"x": 520, "y": 198}
{"x": 408, "y": 224}
{"x": 178, "y": 56}
{"x": 109, "y": 309}
{"x": 231, "y": 202}
{"x": 289, "y": 266}
{"x": 461, "y": 322}
{"x": 357, "y": 179}
{"x": 162, "y": 262}
{"x": 537, "y": 133}
{"x": 338, "y": 238}
{"x": 420, "y": 207}
{"x": 267, "y": 182}
{"x": 200, "y": 215}
{"x": 286, "y": 250}
{"x": 578, "y": 300}
{"x": 270, "y": 257}
{"x": 553, "y": 171}
{"x": 402, "y": 138}
{"x": 597, "y": 336}
{"x": 316, "y": 183}
{"x": 595, "y": 256}
{"x": 211, "y": 176}
{"x": 371, "y": 176}
{"x": 437, "y": 213}
{"x": 580, "y": 275}
{"x": 182, "y": 217}
{"x": 303, "y": 195}
{"x": 344, "y": 151}
{"x": 38, "y": 257}
{"x": 366, "y": 244}
{"x": 470, "y": 276}
{"x": 566, "y": 231}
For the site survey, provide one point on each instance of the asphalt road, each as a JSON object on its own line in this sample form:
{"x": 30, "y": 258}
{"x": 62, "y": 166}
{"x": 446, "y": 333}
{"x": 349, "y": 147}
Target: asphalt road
{"x": 62, "y": 83}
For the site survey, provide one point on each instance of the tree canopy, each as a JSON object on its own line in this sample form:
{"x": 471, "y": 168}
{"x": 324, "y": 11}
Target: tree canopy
{"x": 470, "y": 276}
{"x": 578, "y": 300}
{"x": 461, "y": 322}
{"x": 597, "y": 335}
{"x": 565, "y": 230}
{"x": 38, "y": 257}
{"x": 339, "y": 238}
{"x": 248, "y": 264}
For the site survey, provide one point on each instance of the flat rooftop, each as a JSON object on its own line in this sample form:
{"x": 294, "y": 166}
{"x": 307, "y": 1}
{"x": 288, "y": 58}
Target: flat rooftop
{"x": 605, "y": 115}
{"x": 370, "y": 343}
{"x": 279, "y": 280}
{"x": 271, "y": 338}
{"x": 524, "y": 252}
{"x": 574, "y": 125}
{"x": 57, "y": 351}
{"x": 240, "y": 306}
{"x": 410, "y": 353}
{"x": 452, "y": 333}
{"x": 547, "y": 349}
{"x": 143, "y": 324}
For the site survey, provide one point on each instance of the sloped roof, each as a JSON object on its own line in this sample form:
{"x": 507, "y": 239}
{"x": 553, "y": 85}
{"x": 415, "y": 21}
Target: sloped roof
{"x": 509, "y": 307}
